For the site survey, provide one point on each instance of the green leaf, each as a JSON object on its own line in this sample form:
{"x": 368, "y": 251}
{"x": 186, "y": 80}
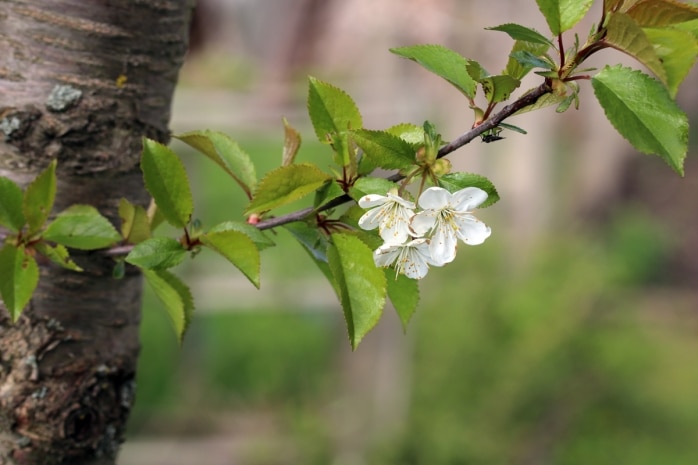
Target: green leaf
{"x": 158, "y": 253}
{"x": 82, "y": 227}
{"x": 642, "y": 111}
{"x": 19, "y": 275}
{"x": 404, "y": 294}
{"x": 658, "y": 13}
{"x": 39, "y": 197}
{"x": 370, "y": 185}
{"x": 362, "y": 286}
{"x": 528, "y": 61}
{"x": 331, "y": 110}
{"x": 226, "y": 153}
{"x": 11, "y": 212}
{"x": 522, "y": 33}
{"x": 176, "y": 297}
{"x": 258, "y": 237}
{"x": 545, "y": 100}
{"x": 135, "y": 226}
{"x": 410, "y": 133}
{"x": 625, "y": 35}
{"x": 285, "y": 185}
{"x": 453, "y": 182}
{"x": 58, "y": 254}
{"x": 525, "y": 56}
{"x": 292, "y": 142}
{"x": 238, "y": 249}
{"x": 443, "y": 62}
{"x": 166, "y": 180}
{"x": 476, "y": 71}
{"x": 562, "y": 15}
{"x": 498, "y": 88}
{"x": 384, "y": 149}
{"x": 677, "y": 51}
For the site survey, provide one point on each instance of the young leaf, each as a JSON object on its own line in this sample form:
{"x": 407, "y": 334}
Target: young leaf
{"x": 81, "y": 227}
{"x": 544, "y": 101}
{"x": 523, "y": 61}
{"x": 404, "y": 294}
{"x": 175, "y": 295}
{"x": 258, "y": 237}
{"x": 562, "y": 15}
{"x": 362, "y": 286}
{"x": 384, "y": 149}
{"x": 331, "y": 110}
{"x": 658, "y": 13}
{"x": 625, "y": 35}
{"x": 19, "y": 275}
{"x": 226, "y": 153}
{"x": 238, "y": 249}
{"x": 677, "y": 50}
{"x": 166, "y": 180}
{"x": 642, "y": 111}
{"x": 292, "y": 142}
{"x": 135, "y": 226}
{"x": 11, "y": 213}
{"x": 370, "y": 185}
{"x": 443, "y": 62}
{"x": 158, "y": 253}
{"x": 285, "y": 185}
{"x": 453, "y": 182}
{"x": 58, "y": 254}
{"x": 410, "y": 133}
{"x": 519, "y": 32}
{"x": 498, "y": 88}
{"x": 39, "y": 197}
{"x": 329, "y": 191}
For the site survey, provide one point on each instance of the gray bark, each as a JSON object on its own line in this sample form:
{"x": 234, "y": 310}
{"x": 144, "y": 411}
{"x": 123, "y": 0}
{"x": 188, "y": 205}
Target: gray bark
{"x": 81, "y": 82}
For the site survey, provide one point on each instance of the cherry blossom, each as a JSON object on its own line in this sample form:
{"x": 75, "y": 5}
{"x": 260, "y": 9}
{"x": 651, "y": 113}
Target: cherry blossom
{"x": 389, "y": 213}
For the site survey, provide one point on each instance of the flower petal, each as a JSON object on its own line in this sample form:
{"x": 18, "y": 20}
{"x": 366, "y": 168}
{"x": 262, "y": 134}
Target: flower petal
{"x": 423, "y": 221}
{"x": 471, "y": 230}
{"x": 468, "y": 199}
{"x": 371, "y": 219}
{"x": 385, "y": 255}
{"x": 372, "y": 200}
{"x": 442, "y": 246}
{"x": 399, "y": 200}
{"x": 434, "y": 198}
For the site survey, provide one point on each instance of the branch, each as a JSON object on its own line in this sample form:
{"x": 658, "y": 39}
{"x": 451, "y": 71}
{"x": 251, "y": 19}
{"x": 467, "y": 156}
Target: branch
{"x": 525, "y": 100}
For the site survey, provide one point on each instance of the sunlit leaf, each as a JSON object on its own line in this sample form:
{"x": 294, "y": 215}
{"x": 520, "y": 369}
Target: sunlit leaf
{"x": 384, "y": 149}
{"x": 39, "y": 197}
{"x": 11, "y": 213}
{"x": 562, "y": 15}
{"x": 370, "y": 185}
{"x": 226, "y": 153}
{"x": 260, "y": 239}
{"x": 410, "y": 133}
{"x": 238, "y": 249}
{"x": 657, "y": 13}
{"x": 157, "y": 253}
{"x": 19, "y": 275}
{"x": 498, "y": 88}
{"x": 443, "y": 62}
{"x": 166, "y": 180}
{"x": 135, "y": 226}
{"x": 519, "y": 32}
{"x": 58, "y": 254}
{"x": 677, "y": 50}
{"x": 625, "y": 35}
{"x": 292, "y": 142}
{"x": 285, "y": 185}
{"x": 176, "y": 297}
{"x": 642, "y": 111}
{"x": 81, "y": 227}
{"x": 362, "y": 286}
{"x": 331, "y": 110}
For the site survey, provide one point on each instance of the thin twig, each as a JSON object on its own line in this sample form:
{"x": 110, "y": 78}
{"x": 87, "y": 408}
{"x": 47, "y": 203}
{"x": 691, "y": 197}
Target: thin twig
{"x": 525, "y": 100}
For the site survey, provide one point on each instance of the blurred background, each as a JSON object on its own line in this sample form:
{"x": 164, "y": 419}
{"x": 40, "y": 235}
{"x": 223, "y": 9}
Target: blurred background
{"x": 569, "y": 337}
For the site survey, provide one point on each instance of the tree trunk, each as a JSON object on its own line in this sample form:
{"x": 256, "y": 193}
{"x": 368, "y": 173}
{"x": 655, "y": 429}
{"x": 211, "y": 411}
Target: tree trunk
{"x": 80, "y": 82}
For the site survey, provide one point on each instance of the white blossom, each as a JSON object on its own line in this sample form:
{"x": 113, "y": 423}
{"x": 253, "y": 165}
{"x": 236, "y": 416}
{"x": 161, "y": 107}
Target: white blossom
{"x": 389, "y": 213}
{"x": 448, "y": 217}
{"x": 411, "y": 258}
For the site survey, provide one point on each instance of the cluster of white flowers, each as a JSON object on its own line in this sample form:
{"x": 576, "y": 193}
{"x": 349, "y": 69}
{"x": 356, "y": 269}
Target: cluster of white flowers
{"x": 415, "y": 240}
